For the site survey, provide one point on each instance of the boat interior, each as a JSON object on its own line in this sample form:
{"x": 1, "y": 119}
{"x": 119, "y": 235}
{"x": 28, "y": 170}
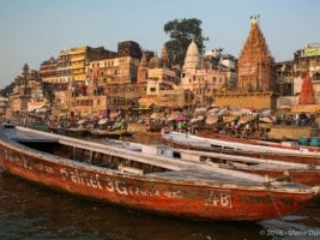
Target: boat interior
{"x": 210, "y": 158}
{"x": 60, "y": 148}
{"x": 95, "y": 158}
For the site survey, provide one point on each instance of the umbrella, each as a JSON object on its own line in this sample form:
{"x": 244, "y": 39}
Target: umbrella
{"x": 114, "y": 115}
{"x": 211, "y": 119}
{"x": 182, "y": 118}
{"x": 222, "y": 111}
{"x": 156, "y": 115}
{"x": 82, "y": 121}
{"x": 199, "y": 111}
{"x": 103, "y": 121}
{"x": 246, "y": 118}
{"x": 213, "y": 111}
{"x": 227, "y": 119}
{"x": 172, "y": 117}
{"x": 62, "y": 115}
{"x": 266, "y": 119}
{"x": 246, "y": 110}
{"x": 197, "y": 119}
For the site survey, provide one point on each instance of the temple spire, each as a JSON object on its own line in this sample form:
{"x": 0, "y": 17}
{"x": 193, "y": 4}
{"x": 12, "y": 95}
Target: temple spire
{"x": 255, "y": 19}
{"x": 255, "y": 64}
{"x": 307, "y": 92}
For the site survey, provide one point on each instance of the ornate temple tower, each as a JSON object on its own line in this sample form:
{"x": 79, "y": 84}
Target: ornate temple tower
{"x": 256, "y": 67}
{"x": 143, "y": 69}
{"x": 307, "y": 92}
{"x": 165, "y": 57}
{"x": 192, "y": 59}
{"x": 256, "y": 75}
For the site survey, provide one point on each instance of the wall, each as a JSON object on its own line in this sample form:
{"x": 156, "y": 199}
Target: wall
{"x": 247, "y": 100}
{"x": 290, "y": 132}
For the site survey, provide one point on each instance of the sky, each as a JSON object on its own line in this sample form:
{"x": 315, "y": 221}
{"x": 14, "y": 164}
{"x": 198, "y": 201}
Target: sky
{"x": 32, "y": 31}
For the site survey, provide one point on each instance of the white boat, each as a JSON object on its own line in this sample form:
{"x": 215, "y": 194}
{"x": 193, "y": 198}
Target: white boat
{"x": 270, "y": 151}
{"x": 287, "y": 171}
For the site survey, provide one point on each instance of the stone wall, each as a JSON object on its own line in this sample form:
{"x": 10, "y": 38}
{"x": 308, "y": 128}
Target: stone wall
{"x": 291, "y": 132}
{"x": 247, "y": 100}
{"x": 307, "y": 108}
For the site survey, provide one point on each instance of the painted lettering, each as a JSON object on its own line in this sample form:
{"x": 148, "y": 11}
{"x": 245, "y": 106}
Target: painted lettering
{"x": 110, "y": 186}
{"x": 172, "y": 195}
{"x": 64, "y": 174}
{"x": 81, "y": 178}
{"x": 121, "y": 188}
{"x": 219, "y": 199}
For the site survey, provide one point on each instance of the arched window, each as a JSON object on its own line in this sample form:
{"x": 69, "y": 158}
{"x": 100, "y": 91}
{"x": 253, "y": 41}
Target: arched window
{"x": 316, "y": 76}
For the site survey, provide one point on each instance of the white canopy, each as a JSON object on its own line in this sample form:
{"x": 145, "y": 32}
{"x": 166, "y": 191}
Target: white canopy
{"x": 103, "y": 121}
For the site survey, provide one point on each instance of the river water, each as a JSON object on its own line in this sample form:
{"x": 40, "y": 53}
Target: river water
{"x": 32, "y": 212}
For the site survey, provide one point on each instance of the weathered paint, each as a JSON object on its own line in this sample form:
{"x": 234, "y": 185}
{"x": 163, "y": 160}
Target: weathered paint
{"x": 285, "y": 156}
{"x": 148, "y": 193}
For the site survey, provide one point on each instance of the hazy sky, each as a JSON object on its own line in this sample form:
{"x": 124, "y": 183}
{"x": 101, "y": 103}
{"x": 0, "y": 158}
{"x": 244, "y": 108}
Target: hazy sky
{"x": 34, "y": 30}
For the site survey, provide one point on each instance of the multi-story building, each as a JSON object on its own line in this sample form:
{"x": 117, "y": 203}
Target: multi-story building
{"x": 116, "y": 68}
{"x": 48, "y": 70}
{"x": 64, "y": 66}
{"x": 3, "y": 107}
{"x": 292, "y": 74}
{"x": 284, "y": 71}
{"x": 307, "y": 60}
{"x": 79, "y": 56}
{"x": 26, "y": 90}
{"x": 160, "y": 82}
{"x": 104, "y": 74}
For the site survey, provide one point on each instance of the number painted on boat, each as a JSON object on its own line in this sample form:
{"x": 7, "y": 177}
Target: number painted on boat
{"x": 219, "y": 199}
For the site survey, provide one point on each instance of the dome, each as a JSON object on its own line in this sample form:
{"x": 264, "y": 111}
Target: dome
{"x": 193, "y": 49}
{"x": 155, "y": 62}
{"x": 192, "y": 59}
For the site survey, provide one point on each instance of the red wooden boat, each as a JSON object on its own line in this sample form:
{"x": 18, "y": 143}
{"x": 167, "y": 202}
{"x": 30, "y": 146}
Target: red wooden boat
{"x": 288, "y": 154}
{"x": 144, "y": 182}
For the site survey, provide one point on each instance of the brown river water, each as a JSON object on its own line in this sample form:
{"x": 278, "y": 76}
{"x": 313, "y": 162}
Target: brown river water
{"x": 32, "y": 212}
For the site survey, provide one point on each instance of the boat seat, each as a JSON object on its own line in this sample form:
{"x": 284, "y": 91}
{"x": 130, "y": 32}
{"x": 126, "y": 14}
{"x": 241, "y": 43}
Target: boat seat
{"x": 130, "y": 170}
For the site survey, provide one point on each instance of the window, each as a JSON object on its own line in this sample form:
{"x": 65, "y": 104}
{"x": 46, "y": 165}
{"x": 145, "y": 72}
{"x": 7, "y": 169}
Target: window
{"x": 316, "y": 76}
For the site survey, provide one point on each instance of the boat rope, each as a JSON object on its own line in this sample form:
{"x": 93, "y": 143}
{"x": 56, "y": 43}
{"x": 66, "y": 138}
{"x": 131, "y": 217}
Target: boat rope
{"x": 277, "y": 209}
{"x": 312, "y": 166}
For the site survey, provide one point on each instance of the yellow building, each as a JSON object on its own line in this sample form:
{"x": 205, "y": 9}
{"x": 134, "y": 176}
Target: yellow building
{"x": 78, "y": 63}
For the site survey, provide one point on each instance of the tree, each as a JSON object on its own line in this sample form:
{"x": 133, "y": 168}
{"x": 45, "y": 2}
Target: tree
{"x": 7, "y": 90}
{"x": 181, "y": 33}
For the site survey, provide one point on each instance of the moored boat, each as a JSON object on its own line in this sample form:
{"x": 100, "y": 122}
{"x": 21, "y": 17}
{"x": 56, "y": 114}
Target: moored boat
{"x": 102, "y": 133}
{"x": 76, "y": 131}
{"x": 289, "y": 154}
{"x": 144, "y": 182}
{"x": 280, "y": 170}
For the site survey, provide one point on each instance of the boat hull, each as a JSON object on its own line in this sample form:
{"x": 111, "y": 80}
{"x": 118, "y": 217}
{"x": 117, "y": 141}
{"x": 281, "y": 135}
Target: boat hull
{"x": 110, "y": 134}
{"x": 287, "y": 157}
{"x": 307, "y": 177}
{"x": 291, "y": 172}
{"x": 168, "y": 196}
